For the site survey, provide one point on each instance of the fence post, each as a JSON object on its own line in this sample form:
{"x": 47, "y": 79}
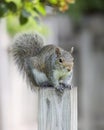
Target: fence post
{"x": 57, "y": 112}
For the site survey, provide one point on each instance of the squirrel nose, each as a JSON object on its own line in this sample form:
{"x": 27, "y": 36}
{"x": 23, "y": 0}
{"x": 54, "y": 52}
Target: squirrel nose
{"x": 69, "y": 69}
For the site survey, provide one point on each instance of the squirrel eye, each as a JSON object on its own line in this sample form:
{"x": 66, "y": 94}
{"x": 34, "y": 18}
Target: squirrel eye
{"x": 60, "y": 60}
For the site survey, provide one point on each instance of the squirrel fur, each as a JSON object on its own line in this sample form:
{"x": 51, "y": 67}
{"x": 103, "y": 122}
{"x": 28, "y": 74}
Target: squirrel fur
{"x": 42, "y": 64}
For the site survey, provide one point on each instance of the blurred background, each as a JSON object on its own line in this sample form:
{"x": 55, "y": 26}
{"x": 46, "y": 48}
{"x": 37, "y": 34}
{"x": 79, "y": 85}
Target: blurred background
{"x": 80, "y": 25}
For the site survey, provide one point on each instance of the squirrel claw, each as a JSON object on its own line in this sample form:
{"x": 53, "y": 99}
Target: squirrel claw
{"x": 60, "y": 90}
{"x": 67, "y": 86}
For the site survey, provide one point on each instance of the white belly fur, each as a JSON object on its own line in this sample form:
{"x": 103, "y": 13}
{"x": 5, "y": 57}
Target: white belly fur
{"x": 66, "y": 77}
{"x": 39, "y": 77}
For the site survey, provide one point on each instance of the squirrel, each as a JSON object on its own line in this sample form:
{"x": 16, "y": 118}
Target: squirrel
{"x": 43, "y": 65}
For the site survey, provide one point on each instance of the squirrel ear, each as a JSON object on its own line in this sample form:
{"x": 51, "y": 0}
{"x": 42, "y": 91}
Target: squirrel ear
{"x": 57, "y": 50}
{"x": 72, "y": 50}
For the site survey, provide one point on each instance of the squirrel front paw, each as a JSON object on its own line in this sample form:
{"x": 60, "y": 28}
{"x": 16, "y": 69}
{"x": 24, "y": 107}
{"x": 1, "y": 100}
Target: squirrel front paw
{"x": 60, "y": 89}
{"x": 45, "y": 84}
{"x": 66, "y": 86}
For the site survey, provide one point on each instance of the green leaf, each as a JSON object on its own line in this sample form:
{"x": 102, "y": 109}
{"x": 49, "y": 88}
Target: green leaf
{"x": 22, "y": 1}
{"x": 23, "y": 20}
{"x": 54, "y": 2}
{"x": 36, "y": 10}
{"x": 42, "y": 1}
{"x": 25, "y": 13}
{"x": 40, "y": 8}
{"x": 3, "y": 9}
{"x": 24, "y": 16}
{"x": 12, "y": 6}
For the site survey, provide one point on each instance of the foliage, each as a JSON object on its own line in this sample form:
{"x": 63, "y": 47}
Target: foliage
{"x": 25, "y": 9}
{"x": 13, "y": 26}
{"x": 86, "y": 7}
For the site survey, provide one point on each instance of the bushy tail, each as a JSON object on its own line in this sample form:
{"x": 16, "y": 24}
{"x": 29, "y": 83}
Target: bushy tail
{"x": 26, "y": 45}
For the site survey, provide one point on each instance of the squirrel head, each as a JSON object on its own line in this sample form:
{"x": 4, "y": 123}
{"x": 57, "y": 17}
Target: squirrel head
{"x": 64, "y": 59}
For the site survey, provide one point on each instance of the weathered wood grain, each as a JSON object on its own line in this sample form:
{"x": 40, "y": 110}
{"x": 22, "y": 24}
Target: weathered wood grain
{"x": 57, "y": 112}
{"x": 74, "y": 120}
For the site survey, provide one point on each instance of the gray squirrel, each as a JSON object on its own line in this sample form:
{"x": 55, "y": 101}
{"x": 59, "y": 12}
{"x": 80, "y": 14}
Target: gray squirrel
{"x": 43, "y": 65}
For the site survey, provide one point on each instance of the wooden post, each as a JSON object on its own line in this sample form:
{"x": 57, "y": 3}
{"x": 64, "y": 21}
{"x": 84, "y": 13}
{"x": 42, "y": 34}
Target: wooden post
{"x": 57, "y": 112}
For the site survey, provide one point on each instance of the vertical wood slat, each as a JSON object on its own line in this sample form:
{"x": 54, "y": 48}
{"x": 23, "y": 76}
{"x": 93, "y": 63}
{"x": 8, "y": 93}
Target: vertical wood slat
{"x": 74, "y": 119}
{"x": 57, "y": 112}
